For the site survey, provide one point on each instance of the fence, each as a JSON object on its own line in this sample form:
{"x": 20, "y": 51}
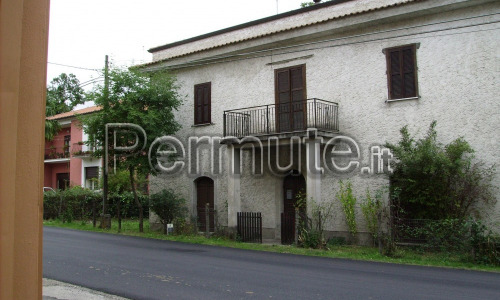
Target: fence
{"x": 410, "y": 231}
{"x": 250, "y": 226}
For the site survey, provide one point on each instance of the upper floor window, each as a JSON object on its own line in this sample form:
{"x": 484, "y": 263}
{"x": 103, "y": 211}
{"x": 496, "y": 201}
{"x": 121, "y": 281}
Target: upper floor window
{"x": 402, "y": 71}
{"x": 202, "y": 103}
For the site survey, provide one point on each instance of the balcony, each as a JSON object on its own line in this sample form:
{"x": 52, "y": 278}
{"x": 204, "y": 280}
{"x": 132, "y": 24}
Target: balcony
{"x": 282, "y": 119}
{"x": 81, "y": 150}
{"x": 60, "y": 153}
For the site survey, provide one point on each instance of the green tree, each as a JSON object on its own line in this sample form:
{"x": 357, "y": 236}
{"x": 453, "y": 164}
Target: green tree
{"x": 147, "y": 100}
{"x": 63, "y": 94}
{"x": 436, "y": 181}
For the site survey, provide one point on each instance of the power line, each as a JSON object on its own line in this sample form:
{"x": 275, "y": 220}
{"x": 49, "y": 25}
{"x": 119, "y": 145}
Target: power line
{"x": 98, "y": 79}
{"x": 75, "y": 67}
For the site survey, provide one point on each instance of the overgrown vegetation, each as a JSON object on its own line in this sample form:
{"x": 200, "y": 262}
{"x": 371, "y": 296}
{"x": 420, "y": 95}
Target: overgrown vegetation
{"x": 435, "y": 181}
{"x": 311, "y": 229}
{"x": 372, "y": 208}
{"x": 470, "y": 237}
{"x": 169, "y": 206}
{"x": 348, "y": 201}
{"x": 440, "y": 194}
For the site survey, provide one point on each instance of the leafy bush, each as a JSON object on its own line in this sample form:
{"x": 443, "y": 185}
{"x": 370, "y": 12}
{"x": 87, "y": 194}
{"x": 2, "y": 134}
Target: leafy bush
{"x": 485, "y": 245}
{"x": 310, "y": 238}
{"x": 371, "y": 207}
{"x": 79, "y": 203}
{"x": 471, "y": 238}
{"x": 336, "y": 241}
{"x": 168, "y": 206}
{"x": 348, "y": 202}
{"x": 51, "y": 202}
{"x": 128, "y": 207}
{"x": 72, "y": 203}
{"x": 311, "y": 230}
{"x": 182, "y": 226}
{"x": 435, "y": 181}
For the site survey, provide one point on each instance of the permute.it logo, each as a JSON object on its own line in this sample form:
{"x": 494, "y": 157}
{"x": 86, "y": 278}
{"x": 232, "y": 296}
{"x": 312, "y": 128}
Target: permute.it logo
{"x": 339, "y": 155}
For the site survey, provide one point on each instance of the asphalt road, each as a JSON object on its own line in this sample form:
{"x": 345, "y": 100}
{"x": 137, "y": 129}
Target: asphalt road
{"x": 141, "y": 268}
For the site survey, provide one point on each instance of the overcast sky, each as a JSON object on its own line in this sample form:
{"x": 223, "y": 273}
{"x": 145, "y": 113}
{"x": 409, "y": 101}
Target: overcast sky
{"x": 82, "y": 32}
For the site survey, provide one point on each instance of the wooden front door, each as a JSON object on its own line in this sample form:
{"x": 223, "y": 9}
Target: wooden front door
{"x": 292, "y": 185}
{"x": 205, "y": 194}
{"x": 290, "y": 87}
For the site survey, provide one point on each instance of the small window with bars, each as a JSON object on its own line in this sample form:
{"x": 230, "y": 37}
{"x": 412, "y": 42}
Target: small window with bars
{"x": 402, "y": 72}
{"x": 202, "y": 104}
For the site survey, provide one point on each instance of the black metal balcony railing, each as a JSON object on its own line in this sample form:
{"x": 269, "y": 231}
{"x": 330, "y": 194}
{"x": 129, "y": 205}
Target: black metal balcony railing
{"x": 282, "y": 118}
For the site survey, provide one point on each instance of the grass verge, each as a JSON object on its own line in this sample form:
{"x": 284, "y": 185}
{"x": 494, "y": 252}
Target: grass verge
{"x": 403, "y": 256}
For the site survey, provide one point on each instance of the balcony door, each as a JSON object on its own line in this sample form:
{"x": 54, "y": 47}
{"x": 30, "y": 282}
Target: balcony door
{"x": 290, "y": 89}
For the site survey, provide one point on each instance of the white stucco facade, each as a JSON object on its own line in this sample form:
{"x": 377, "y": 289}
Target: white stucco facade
{"x": 458, "y": 61}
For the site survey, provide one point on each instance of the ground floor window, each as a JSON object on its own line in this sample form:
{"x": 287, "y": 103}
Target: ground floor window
{"x": 92, "y": 178}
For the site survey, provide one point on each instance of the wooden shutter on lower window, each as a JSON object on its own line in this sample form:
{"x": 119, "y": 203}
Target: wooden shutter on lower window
{"x": 202, "y": 103}
{"x": 91, "y": 172}
{"x": 401, "y": 72}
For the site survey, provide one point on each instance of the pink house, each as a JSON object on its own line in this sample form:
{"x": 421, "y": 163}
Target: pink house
{"x": 67, "y": 161}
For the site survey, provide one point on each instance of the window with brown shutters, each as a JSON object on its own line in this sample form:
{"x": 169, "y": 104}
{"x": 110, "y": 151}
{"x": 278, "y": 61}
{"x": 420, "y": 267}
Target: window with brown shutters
{"x": 402, "y": 71}
{"x": 202, "y": 104}
{"x": 91, "y": 172}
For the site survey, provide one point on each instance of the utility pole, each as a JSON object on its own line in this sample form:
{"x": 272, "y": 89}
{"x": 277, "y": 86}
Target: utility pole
{"x": 105, "y": 218}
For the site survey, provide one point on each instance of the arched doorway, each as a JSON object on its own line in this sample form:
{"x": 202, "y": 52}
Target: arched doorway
{"x": 204, "y": 195}
{"x": 293, "y": 184}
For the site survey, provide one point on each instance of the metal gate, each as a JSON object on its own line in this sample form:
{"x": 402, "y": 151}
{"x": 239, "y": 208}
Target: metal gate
{"x": 250, "y": 226}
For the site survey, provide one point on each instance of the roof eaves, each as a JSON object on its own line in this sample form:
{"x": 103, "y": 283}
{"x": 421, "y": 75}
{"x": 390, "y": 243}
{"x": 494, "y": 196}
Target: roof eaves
{"x": 267, "y": 34}
{"x": 248, "y": 24}
{"x": 72, "y": 114}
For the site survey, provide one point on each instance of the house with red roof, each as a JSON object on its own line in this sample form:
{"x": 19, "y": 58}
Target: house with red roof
{"x": 67, "y": 160}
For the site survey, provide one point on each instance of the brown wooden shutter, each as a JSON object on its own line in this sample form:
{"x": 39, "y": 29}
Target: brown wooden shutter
{"x": 408, "y": 57}
{"x": 202, "y": 103}
{"x": 91, "y": 172}
{"x": 401, "y": 72}
{"x": 290, "y": 96}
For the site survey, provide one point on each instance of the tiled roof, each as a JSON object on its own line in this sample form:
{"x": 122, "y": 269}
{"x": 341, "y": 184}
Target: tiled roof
{"x": 280, "y": 23}
{"x": 73, "y": 113}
